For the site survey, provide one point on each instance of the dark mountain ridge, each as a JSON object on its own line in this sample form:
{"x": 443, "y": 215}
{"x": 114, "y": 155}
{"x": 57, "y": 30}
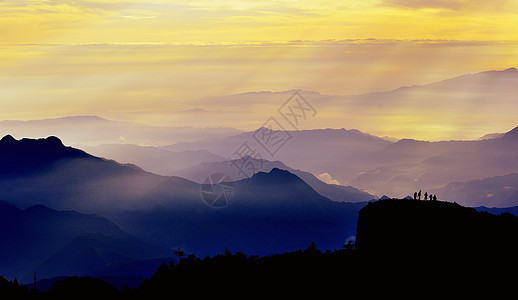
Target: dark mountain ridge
{"x": 435, "y": 231}
{"x": 269, "y": 213}
{"x": 403, "y": 246}
{"x": 32, "y": 239}
{"x": 18, "y": 157}
{"x": 46, "y": 172}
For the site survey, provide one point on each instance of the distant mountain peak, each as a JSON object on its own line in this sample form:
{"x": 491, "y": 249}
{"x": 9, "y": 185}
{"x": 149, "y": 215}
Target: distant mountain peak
{"x": 508, "y": 71}
{"x": 27, "y": 155}
{"x": 248, "y": 157}
{"x": 491, "y": 136}
{"x": 53, "y": 140}
{"x": 276, "y": 175}
{"x": 8, "y": 139}
{"x": 280, "y": 172}
{"x": 39, "y": 208}
{"x": 82, "y": 117}
{"x": 513, "y": 134}
{"x": 301, "y": 91}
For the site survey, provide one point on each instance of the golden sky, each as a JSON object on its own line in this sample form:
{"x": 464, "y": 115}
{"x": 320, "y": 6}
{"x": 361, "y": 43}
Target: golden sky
{"x": 150, "y": 61}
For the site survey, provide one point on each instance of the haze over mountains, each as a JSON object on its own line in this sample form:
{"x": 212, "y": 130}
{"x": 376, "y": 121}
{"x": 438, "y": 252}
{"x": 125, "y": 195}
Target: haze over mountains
{"x": 46, "y": 172}
{"x": 169, "y": 211}
{"x": 496, "y": 191}
{"x": 334, "y": 151}
{"x": 442, "y": 110}
{"x": 228, "y": 149}
{"x": 382, "y": 167}
{"x": 465, "y": 107}
{"x": 152, "y": 159}
{"x": 237, "y": 169}
{"x": 348, "y": 157}
{"x": 151, "y": 197}
{"x": 93, "y": 130}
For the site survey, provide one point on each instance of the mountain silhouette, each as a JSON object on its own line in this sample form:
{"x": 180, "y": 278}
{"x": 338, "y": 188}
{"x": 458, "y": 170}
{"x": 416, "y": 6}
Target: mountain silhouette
{"x": 271, "y": 212}
{"x": 88, "y": 287}
{"x": 373, "y": 164}
{"x": 31, "y": 238}
{"x": 93, "y": 251}
{"x": 436, "y": 241}
{"x": 499, "y": 210}
{"x": 277, "y": 176}
{"x": 333, "y": 151}
{"x": 414, "y": 228}
{"x": 511, "y": 135}
{"x": 44, "y": 171}
{"x": 334, "y": 192}
{"x": 28, "y": 155}
{"x": 485, "y": 79}
{"x": 403, "y": 247}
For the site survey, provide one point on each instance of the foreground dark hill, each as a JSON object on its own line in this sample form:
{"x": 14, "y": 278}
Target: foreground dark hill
{"x": 422, "y": 232}
{"x": 56, "y": 243}
{"x": 403, "y": 247}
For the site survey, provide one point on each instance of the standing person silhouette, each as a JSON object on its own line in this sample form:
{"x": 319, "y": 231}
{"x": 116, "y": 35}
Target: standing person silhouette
{"x": 425, "y": 195}
{"x": 419, "y": 195}
{"x": 415, "y": 195}
{"x": 434, "y": 197}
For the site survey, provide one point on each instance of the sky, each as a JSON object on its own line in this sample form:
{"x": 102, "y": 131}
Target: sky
{"x": 152, "y": 61}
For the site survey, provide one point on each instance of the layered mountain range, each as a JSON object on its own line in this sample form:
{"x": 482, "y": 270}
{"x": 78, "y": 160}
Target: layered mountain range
{"x": 110, "y": 203}
{"x": 148, "y": 215}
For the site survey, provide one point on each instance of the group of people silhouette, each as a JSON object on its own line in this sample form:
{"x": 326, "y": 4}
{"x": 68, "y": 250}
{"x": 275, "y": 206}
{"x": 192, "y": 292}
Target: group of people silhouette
{"x": 417, "y": 196}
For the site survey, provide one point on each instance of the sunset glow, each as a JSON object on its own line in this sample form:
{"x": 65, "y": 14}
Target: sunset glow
{"x": 161, "y": 62}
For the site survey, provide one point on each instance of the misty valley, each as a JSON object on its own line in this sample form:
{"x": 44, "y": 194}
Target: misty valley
{"x": 71, "y": 220}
